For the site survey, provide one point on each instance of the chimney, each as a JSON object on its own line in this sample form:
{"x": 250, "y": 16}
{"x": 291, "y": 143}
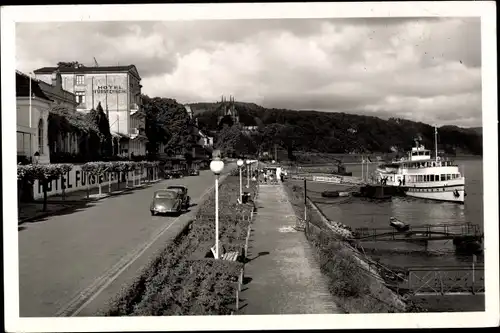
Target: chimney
{"x": 56, "y": 79}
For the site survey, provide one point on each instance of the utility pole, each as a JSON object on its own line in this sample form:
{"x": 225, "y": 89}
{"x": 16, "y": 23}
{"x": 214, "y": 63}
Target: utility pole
{"x": 436, "y": 141}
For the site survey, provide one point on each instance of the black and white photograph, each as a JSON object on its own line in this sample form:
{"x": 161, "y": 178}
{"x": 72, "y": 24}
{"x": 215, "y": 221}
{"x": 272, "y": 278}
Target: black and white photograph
{"x": 254, "y": 165}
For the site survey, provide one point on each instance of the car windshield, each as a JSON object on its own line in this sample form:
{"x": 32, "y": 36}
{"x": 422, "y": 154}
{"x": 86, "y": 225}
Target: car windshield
{"x": 165, "y": 195}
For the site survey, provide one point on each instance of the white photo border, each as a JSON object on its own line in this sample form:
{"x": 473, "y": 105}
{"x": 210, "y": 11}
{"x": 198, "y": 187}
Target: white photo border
{"x": 485, "y": 10}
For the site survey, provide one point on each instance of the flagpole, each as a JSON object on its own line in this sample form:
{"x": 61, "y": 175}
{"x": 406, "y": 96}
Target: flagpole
{"x": 362, "y": 168}
{"x": 29, "y": 74}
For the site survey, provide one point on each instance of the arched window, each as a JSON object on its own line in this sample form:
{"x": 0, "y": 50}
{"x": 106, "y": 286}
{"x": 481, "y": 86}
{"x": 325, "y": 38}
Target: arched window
{"x": 40, "y": 136}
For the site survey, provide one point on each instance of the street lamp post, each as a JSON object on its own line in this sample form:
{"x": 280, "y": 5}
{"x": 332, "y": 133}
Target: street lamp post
{"x": 216, "y": 166}
{"x": 240, "y": 164}
{"x": 248, "y": 173}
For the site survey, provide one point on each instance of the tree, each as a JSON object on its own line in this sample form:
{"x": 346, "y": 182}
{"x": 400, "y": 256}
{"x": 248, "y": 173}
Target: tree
{"x": 232, "y": 141}
{"x": 97, "y": 170}
{"x": 100, "y": 120}
{"x": 66, "y": 64}
{"x": 44, "y": 173}
{"x": 168, "y": 122}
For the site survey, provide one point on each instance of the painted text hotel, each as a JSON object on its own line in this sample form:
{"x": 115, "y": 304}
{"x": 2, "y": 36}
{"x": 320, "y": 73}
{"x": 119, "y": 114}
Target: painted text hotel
{"x": 117, "y": 89}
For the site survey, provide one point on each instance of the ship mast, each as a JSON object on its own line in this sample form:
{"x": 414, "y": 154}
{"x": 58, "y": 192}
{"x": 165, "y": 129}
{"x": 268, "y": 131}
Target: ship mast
{"x": 436, "y": 141}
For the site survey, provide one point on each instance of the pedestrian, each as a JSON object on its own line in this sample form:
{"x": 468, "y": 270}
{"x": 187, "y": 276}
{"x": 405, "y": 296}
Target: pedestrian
{"x": 265, "y": 178}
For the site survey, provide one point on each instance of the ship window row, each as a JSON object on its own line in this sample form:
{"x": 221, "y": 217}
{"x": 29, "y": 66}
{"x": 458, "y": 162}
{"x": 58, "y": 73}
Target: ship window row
{"x": 428, "y": 164}
{"x": 433, "y": 178}
{"x": 421, "y": 153}
{"x": 428, "y": 189}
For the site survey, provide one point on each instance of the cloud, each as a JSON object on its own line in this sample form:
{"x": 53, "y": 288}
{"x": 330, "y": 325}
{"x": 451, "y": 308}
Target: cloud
{"x": 425, "y": 69}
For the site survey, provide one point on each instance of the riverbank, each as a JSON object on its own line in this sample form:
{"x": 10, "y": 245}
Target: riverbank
{"x": 355, "y": 286}
{"x": 308, "y": 158}
{"x": 362, "y": 213}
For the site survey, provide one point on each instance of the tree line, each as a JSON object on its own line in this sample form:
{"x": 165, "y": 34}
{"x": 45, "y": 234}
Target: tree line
{"x": 328, "y": 132}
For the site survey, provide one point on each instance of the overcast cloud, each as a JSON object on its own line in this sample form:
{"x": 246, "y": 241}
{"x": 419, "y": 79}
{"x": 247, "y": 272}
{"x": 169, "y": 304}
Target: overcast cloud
{"x": 421, "y": 69}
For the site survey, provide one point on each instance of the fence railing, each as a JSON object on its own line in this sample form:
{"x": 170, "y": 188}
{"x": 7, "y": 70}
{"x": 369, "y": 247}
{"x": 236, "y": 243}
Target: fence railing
{"x": 446, "y": 280}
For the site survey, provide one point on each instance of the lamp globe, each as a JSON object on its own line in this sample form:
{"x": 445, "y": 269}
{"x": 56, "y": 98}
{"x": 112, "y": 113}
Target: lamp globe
{"x": 217, "y": 166}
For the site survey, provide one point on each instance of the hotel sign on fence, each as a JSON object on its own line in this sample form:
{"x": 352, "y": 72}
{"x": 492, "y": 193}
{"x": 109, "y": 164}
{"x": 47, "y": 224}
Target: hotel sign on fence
{"x": 336, "y": 180}
{"x": 109, "y": 89}
{"x": 75, "y": 180}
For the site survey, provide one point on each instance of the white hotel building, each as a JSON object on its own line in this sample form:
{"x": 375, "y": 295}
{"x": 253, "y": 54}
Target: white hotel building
{"x": 117, "y": 88}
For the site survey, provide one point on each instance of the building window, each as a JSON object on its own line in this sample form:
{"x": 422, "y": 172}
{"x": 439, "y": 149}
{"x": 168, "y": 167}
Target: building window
{"x": 443, "y": 177}
{"x": 24, "y": 144}
{"x": 40, "y": 136}
{"x": 80, "y": 79}
{"x": 80, "y": 97}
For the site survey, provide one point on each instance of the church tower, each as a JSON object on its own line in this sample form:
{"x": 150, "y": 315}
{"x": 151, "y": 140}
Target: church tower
{"x": 228, "y": 109}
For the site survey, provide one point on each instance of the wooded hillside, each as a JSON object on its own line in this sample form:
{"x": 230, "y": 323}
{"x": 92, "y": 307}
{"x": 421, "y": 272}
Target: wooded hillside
{"x": 335, "y": 132}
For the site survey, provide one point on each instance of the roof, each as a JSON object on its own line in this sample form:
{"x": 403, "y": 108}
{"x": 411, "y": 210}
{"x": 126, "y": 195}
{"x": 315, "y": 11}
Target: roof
{"x": 57, "y": 92}
{"x": 23, "y": 87}
{"x": 120, "y": 135}
{"x": 88, "y": 69}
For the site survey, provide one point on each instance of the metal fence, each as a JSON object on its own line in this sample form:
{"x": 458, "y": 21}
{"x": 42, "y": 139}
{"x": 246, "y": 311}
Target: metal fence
{"x": 446, "y": 280}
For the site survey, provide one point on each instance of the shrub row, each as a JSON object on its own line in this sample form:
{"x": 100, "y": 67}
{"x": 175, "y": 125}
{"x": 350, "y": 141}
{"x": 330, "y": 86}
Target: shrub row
{"x": 52, "y": 171}
{"x": 174, "y": 283}
{"x": 65, "y": 157}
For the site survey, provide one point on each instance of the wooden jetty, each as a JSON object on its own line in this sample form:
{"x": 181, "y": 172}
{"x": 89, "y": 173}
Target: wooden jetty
{"x": 460, "y": 233}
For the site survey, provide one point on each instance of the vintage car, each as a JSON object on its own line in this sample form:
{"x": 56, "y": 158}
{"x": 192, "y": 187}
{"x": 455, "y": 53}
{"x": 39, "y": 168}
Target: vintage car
{"x": 194, "y": 172}
{"x": 177, "y": 174}
{"x": 183, "y": 192}
{"x": 167, "y": 201}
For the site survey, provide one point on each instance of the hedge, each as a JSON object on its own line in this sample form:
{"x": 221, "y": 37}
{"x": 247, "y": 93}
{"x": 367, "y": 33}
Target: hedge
{"x": 177, "y": 281}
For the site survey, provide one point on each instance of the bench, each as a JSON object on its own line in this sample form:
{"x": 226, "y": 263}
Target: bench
{"x": 231, "y": 256}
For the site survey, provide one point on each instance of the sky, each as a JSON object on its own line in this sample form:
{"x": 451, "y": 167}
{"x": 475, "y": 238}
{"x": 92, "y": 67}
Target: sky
{"x": 422, "y": 69}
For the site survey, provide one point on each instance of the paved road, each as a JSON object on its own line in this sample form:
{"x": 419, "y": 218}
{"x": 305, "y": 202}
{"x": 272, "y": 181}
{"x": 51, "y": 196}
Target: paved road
{"x": 72, "y": 264}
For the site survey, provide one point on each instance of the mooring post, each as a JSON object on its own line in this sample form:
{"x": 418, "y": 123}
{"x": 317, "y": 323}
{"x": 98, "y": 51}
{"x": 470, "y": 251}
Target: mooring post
{"x": 441, "y": 282}
{"x": 473, "y": 272}
{"x": 305, "y": 207}
{"x": 237, "y": 300}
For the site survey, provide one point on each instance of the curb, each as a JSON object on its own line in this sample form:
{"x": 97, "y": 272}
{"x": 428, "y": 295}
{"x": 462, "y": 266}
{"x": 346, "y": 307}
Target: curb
{"x": 73, "y": 203}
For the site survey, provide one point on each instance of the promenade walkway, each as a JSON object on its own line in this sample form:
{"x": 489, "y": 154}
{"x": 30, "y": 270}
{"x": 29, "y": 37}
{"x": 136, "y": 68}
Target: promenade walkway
{"x": 282, "y": 276}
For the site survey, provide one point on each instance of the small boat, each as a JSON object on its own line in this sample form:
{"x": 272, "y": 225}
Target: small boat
{"x": 330, "y": 194}
{"x": 399, "y": 225}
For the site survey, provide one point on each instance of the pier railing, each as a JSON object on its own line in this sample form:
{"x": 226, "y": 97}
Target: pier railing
{"x": 420, "y": 232}
{"x": 446, "y": 280}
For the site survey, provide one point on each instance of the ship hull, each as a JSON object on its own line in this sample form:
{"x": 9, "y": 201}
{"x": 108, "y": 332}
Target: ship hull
{"x": 449, "y": 191}
{"x": 448, "y": 194}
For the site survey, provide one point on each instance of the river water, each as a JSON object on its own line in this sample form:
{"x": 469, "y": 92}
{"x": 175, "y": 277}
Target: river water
{"x": 360, "y": 212}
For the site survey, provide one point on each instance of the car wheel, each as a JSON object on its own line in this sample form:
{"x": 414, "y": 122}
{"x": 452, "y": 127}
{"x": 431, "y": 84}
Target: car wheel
{"x": 153, "y": 213}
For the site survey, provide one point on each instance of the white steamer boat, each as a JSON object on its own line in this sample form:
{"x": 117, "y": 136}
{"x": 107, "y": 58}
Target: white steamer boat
{"x": 424, "y": 177}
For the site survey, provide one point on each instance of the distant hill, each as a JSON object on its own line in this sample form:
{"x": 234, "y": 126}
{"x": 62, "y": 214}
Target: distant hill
{"x": 338, "y": 132}
{"x": 478, "y": 130}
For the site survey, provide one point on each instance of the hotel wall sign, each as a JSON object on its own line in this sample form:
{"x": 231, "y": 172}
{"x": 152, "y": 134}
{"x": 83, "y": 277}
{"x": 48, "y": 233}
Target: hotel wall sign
{"x": 109, "y": 90}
